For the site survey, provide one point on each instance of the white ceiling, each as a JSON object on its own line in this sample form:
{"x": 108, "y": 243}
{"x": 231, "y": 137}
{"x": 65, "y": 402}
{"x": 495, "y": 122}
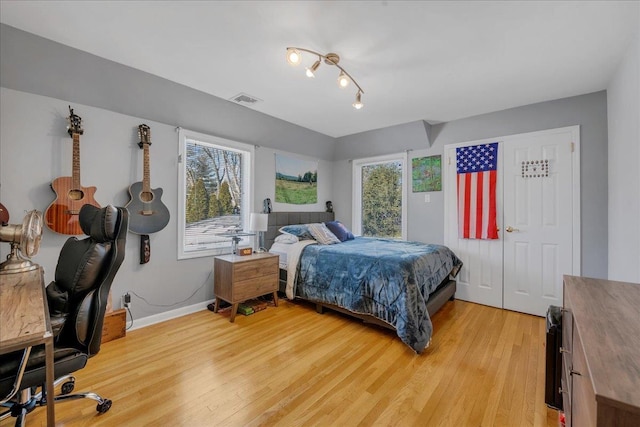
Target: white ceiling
{"x": 434, "y": 61}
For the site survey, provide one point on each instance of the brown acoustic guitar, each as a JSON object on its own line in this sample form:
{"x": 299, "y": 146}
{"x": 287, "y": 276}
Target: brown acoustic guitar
{"x": 62, "y": 215}
{"x": 4, "y": 215}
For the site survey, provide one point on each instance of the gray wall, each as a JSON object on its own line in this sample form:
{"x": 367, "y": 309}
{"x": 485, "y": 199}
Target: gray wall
{"x": 624, "y": 175}
{"x": 33, "y": 64}
{"x": 40, "y": 78}
{"x": 426, "y": 220}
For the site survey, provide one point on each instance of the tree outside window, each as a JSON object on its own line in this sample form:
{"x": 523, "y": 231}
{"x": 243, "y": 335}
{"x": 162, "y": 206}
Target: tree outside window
{"x": 214, "y": 193}
{"x": 380, "y": 196}
{"x": 382, "y": 200}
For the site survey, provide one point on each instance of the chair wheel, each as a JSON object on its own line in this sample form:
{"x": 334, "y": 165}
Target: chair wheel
{"x": 67, "y": 387}
{"x": 104, "y": 406}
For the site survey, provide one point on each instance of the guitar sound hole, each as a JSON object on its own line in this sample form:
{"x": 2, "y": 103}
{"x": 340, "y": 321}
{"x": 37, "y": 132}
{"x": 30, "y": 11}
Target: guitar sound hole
{"x": 76, "y": 194}
{"x": 146, "y": 196}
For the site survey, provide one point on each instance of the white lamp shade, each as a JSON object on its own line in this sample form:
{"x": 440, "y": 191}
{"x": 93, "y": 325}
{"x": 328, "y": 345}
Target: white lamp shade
{"x": 258, "y": 222}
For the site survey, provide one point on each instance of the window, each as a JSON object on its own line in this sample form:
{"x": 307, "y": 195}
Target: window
{"x": 380, "y": 194}
{"x": 214, "y": 194}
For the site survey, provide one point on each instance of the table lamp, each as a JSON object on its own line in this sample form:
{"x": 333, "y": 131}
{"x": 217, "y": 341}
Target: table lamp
{"x": 258, "y": 222}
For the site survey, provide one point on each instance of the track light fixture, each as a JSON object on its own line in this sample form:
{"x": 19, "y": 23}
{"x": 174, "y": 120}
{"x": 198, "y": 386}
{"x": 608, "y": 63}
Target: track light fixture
{"x": 358, "y": 103}
{"x": 343, "y": 80}
{"x": 311, "y": 71}
{"x": 294, "y": 57}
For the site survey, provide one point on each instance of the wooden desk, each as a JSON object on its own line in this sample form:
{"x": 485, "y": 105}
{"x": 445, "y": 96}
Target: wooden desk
{"x": 24, "y": 321}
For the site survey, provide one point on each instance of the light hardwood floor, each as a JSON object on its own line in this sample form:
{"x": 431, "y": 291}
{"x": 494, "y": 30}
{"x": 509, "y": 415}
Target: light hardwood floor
{"x": 290, "y": 366}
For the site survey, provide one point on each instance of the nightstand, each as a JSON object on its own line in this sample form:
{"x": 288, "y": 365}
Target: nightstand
{"x": 239, "y": 278}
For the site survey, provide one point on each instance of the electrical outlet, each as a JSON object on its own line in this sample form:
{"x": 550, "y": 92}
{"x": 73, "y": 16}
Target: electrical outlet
{"x": 126, "y": 300}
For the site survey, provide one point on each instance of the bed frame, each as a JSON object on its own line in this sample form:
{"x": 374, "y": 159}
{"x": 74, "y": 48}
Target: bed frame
{"x": 445, "y": 291}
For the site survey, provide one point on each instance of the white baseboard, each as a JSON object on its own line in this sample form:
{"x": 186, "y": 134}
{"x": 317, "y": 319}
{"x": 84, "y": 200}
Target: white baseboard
{"x": 168, "y": 315}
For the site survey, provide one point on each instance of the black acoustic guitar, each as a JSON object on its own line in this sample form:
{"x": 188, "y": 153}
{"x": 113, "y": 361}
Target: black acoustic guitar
{"x": 147, "y": 213}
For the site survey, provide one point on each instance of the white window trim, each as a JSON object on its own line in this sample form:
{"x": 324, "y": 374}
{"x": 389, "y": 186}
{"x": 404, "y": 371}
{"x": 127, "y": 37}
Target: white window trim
{"x": 247, "y": 188}
{"x": 357, "y": 188}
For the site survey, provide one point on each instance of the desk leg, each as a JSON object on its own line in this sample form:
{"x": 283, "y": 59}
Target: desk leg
{"x": 48, "y": 346}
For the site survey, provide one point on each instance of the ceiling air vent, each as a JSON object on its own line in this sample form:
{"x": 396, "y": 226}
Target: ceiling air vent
{"x": 245, "y": 99}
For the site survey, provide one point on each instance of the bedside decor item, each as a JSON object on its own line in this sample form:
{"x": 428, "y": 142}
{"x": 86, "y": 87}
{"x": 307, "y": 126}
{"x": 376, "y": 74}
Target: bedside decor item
{"x": 62, "y": 215}
{"x": 329, "y": 206}
{"x": 245, "y": 251}
{"x": 266, "y": 205}
{"x": 294, "y": 57}
{"x": 25, "y": 240}
{"x": 258, "y": 222}
{"x": 236, "y": 237}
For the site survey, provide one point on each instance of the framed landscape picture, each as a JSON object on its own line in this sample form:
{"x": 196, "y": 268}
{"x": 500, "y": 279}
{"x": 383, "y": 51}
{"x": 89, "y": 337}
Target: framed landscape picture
{"x": 296, "y": 181}
{"x": 426, "y": 173}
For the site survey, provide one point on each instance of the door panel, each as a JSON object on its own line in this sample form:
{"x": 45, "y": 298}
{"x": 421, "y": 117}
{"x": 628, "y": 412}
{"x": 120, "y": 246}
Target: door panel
{"x": 480, "y": 279}
{"x": 538, "y": 205}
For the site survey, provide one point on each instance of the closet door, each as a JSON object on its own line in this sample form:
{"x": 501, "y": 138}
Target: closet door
{"x": 480, "y": 279}
{"x": 538, "y": 215}
{"x": 538, "y": 218}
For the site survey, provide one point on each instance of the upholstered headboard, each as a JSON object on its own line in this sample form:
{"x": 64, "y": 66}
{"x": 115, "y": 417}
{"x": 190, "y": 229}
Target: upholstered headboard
{"x": 278, "y": 219}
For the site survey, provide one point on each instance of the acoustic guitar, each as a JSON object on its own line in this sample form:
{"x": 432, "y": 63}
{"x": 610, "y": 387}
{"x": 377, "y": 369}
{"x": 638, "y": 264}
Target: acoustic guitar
{"x": 4, "y": 215}
{"x": 62, "y": 215}
{"x": 147, "y": 213}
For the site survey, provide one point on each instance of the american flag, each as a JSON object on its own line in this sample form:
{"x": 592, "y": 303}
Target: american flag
{"x": 476, "y": 166}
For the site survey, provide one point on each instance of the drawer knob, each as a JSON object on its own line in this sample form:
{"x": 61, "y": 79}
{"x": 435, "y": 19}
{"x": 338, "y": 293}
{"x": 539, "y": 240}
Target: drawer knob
{"x": 575, "y": 373}
{"x": 564, "y": 350}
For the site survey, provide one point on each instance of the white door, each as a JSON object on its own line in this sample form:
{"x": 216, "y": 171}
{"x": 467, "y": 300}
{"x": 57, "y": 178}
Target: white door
{"x": 538, "y": 219}
{"x": 523, "y": 269}
{"x": 480, "y": 279}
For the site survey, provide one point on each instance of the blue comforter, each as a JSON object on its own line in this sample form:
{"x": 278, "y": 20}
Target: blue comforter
{"x": 388, "y": 279}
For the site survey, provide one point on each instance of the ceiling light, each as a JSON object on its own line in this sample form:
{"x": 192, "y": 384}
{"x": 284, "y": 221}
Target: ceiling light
{"x": 358, "y": 104}
{"x": 311, "y": 70}
{"x": 294, "y": 57}
{"x": 343, "y": 80}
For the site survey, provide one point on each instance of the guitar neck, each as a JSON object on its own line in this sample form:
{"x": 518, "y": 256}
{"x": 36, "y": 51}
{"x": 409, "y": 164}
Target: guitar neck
{"x": 76, "y": 161}
{"x": 146, "y": 177}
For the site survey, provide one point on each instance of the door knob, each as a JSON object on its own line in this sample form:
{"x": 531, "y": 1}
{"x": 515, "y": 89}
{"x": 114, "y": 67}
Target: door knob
{"x": 509, "y": 229}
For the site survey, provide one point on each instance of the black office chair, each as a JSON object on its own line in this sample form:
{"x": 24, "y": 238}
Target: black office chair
{"x": 77, "y": 303}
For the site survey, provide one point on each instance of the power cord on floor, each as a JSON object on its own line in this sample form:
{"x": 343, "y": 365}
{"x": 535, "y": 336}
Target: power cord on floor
{"x": 166, "y": 305}
{"x": 131, "y": 317}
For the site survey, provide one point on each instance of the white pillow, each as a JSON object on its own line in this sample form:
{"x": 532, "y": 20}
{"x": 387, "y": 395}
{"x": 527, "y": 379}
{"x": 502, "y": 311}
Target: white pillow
{"x": 286, "y": 238}
{"x": 322, "y": 234}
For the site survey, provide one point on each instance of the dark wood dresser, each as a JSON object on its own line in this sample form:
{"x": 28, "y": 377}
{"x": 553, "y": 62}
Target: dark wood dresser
{"x": 601, "y": 353}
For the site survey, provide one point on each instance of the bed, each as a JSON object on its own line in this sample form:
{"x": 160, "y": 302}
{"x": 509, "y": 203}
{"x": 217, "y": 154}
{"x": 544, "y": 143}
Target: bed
{"x": 394, "y": 284}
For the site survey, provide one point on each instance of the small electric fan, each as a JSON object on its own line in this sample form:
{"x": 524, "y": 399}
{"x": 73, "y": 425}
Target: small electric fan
{"x": 25, "y": 242}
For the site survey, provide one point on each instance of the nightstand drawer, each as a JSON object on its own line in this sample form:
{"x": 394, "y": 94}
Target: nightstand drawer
{"x": 263, "y": 267}
{"x": 254, "y": 287}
